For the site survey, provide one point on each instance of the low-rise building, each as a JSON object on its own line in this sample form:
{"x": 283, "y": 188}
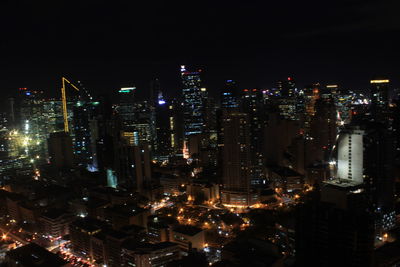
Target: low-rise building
{"x": 141, "y": 254}
{"x": 54, "y": 223}
{"x": 188, "y": 237}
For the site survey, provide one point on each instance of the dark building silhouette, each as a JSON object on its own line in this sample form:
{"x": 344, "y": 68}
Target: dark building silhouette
{"x": 335, "y": 228}
{"x": 61, "y": 150}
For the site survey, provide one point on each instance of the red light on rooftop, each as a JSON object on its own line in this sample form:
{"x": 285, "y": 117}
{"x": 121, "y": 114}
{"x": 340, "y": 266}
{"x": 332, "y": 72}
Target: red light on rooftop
{"x": 289, "y": 78}
{"x": 254, "y": 90}
{"x": 245, "y": 90}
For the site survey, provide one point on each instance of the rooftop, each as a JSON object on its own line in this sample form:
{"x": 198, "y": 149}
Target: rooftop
{"x": 53, "y": 214}
{"x": 134, "y": 245}
{"x": 187, "y": 230}
{"x": 35, "y": 255}
{"x": 88, "y": 224}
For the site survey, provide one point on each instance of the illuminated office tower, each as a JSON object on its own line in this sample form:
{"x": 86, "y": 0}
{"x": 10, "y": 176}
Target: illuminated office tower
{"x": 229, "y": 96}
{"x": 137, "y": 117}
{"x": 193, "y": 102}
{"x": 311, "y": 95}
{"x": 32, "y": 121}
{"x": 252, "y": 103}
{"x": 229, "y": 103}
{"x": 144, "y": 123}
{"x": 84, "y": 110}
{"x": 350, "y": 156}
{"x": 380, "y": 93}
{"x": 287, "y": 88}
{"x": 52, "y": 113}
{"x": 288, "y": 100}
{"x": 168, "y": 129}
{"x": 125, "y": 107}
{"x": 236, "y": 161}
{"x": 330, "y": 90}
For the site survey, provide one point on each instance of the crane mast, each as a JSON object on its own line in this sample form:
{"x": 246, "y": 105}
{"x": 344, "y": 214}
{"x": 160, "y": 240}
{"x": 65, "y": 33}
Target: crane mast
{"x": 65, "y": 81}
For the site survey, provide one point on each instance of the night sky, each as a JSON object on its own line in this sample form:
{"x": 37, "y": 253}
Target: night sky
{"x": 108, "y": 44}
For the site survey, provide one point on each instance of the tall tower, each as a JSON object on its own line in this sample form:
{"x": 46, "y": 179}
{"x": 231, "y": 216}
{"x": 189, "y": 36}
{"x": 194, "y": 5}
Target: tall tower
{"x": 350, "y": 155}
{"x": 380, "y": 93}
{"x": 168, "y": 128}
{"x": 229, "y": 97}
{"x": 323, "y": 127}
{"x": 60, "y": 150}
{"x": 236, "y": 160}
{"x": 193, "y": 102}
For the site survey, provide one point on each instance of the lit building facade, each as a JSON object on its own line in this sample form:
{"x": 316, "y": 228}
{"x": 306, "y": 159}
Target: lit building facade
{"x": 380, "y": 93}
{"x": 350, "y": 155}
{"x": 193, "y": 102}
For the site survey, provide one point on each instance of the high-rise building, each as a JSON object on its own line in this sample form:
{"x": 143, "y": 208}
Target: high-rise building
{"x": 155, "y": 92}
{"x": 229, "y": 96}
{"x": 83, "y": 113}
{"x": 366, "y": 156}
{"x": 31, "y": 120}
{"x": 193, "y": 101}
{"x": 168, "y": 129}
{"x": 380, "y": 93}
{"x": 237, "y": 161}
{"x": 350, "y": 156}
{"x": 287, "y": 88}
{"x": 323, "y": 128}
{"x": 335, "y": 228}
{"x": 61, "y": 150}
{"x": 141, "y": 157}
{"x": 253, "y": 105}
{"x": 379, "y": 173}
{"x": 137, "y": 117}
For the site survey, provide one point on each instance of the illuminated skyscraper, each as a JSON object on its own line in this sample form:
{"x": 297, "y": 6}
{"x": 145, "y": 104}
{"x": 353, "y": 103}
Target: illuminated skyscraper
{"x": 168, "y": 128}
{"x": 125, "y": 107}
{"x": 84, "y": 110}
{"x": 229, "y": 96}
{"x": 380, "y": 93}
{"x": 193, "y": 102}
{"x": 350, "y": 156}
{"x": 288, "y": 99}
{"x": 251, "y": 103}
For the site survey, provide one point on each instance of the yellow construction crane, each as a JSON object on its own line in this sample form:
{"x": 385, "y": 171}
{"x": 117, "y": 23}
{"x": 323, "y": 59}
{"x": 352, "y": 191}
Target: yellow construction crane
{"x": 64, "y": 101}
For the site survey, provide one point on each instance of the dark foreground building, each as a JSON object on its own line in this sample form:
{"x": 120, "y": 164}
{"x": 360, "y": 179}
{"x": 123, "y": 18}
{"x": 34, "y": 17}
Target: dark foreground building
{"x": 33, "y": 255}
{"x": 335, "y": 228}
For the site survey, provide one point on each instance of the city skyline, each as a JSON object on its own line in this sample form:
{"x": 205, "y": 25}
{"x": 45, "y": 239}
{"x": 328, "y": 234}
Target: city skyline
{"x": 197, "y": 134}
